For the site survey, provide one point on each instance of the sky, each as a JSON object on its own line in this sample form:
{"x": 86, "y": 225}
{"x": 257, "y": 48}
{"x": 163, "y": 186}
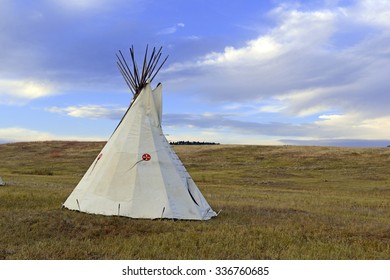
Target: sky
{"x": 264, "y": 72}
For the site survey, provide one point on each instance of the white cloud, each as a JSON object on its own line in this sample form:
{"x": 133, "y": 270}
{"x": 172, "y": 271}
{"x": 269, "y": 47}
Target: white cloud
{"x": 193, "y": 38}
{"x": 83, "y": 4}
{"x": 171, "y": 29}
{"x": 303, "y": 29}
{"x": 271, "y": 108}
{"x": 330, "y": 117}
{"x": 259, "y": 49}
{"x": 18, "y": 134}
{"x": 355, "y": 126}
{"x": 19, "y": 91}
{"x": 89, "y": 111}
{"x": 305, "y": 102}
{"x": 371, "y": 12}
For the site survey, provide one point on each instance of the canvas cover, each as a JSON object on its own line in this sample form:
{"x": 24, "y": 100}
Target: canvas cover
{"x": 137, "y": 174}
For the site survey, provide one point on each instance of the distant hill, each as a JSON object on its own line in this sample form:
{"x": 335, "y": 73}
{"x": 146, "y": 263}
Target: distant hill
{"x": 193, "y": 143}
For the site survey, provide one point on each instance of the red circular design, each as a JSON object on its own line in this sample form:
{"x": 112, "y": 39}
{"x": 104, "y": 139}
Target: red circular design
{"x": 146, "y": 157}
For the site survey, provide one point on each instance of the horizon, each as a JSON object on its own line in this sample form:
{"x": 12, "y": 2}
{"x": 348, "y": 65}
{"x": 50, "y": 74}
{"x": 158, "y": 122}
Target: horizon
{"x": 306, "y": 73}
{"x": 356, "y": 145}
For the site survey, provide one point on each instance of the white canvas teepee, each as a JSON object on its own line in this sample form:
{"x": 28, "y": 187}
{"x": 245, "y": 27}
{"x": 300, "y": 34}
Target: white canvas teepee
{"x": 137, "y": 174}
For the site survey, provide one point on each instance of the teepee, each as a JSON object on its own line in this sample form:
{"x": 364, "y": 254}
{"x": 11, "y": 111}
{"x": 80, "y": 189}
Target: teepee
{"x": 137, "y": 174}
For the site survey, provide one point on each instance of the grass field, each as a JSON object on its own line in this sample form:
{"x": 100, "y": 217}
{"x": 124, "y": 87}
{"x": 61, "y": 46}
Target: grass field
{"x": 277, "y": 202}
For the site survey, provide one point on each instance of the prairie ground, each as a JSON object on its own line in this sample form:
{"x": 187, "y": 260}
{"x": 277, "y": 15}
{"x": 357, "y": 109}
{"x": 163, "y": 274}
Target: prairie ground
{"x": 276, "y": 202}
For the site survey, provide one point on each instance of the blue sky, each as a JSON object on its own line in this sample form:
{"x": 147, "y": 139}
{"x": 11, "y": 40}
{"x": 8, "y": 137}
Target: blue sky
{"x": 239, "y": 72}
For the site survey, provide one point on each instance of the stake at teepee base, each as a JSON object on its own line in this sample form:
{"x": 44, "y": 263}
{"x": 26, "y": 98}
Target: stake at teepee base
{"x": 137, "y": 174}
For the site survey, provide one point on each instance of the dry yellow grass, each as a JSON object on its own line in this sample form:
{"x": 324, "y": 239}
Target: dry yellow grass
{"x": 277, "y": 202}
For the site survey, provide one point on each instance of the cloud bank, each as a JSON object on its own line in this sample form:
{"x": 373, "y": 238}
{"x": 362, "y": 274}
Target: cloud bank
{"x": 18, "y": 134}
{"x": 90, "y": 111}
{"x": 20, "y": 91}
